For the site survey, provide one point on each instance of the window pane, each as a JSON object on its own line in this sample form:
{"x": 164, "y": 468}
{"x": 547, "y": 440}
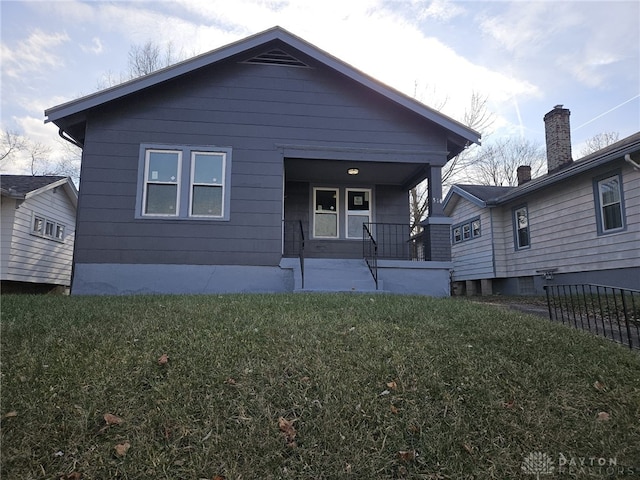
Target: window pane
{"x": 326, "y": 225}
{"x": 466, "y": 231}
{"x": 326, "y": 200}
{"x": 37, "y": 225}
{"x": 163, "y": 167}
{"x": 475, "y": 226}
{"x": 523, "y": 237}
{"x": 208, "y": 168}
{"x": 612, "y": 216}
{"x": 610, "y": 191}
{"x": 60, "y": 232}
{"x": 358, "y": 200}
{"x": 355, "y": 225}
{"x": 207, "y": 201}
{"x": 161, "y": 199}
{"x": 457, "y": 234}
{"x": 48, "y": 229}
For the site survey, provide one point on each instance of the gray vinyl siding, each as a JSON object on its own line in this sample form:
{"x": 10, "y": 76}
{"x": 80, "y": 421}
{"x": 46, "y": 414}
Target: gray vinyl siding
{"x": 472, "y": 259}
{"x": 8, "y": 207}
{"x": 35, "y": 259}
{"x": 564, "y": 233}
{"x": 252, "y": 109}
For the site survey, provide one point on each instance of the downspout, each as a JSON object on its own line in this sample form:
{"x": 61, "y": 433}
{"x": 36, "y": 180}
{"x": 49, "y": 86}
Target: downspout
{"x": 69, "y": 139}
{"x": 493, "y": 243}
{"x": 627, "y": 157}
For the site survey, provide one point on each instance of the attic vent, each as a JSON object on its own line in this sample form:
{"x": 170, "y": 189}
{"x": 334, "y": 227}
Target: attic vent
{"x": 277, "y": 57}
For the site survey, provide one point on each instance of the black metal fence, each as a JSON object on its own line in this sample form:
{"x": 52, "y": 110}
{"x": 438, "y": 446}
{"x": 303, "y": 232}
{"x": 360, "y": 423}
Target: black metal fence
{"x": 395, "y": 241}
{"x": 610, "y": 312}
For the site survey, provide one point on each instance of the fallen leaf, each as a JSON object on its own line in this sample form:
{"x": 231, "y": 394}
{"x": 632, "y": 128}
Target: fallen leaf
{"x": 393, "y": 409}
{"x": 599, "y": 386}
{"x": 413, "y": 429}
{"x": 218, "y": 477}
{"x": 230, "y": 381}
{"x": 163, "y": 360}
{"x": 113, "y": 419}
{"x": 72, "y": 476}
{"x": 509, "y": 404}
{"x": 392, "y": 385}
{"x": 407, "y": 455}
{"x": 468, "y": 448}
{"x": 603, "y": 417}
{"x": 122, "y": 448}
{"x": 11, "y": 414}
{"x": 289, "y": 432}
{"x": 384, "y": 392}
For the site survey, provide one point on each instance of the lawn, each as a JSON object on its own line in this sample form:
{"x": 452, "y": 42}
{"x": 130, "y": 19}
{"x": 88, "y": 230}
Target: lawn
{"x": 308, "y": 386}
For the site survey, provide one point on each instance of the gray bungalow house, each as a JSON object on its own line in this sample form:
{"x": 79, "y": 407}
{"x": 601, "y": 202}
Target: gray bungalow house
{"x": 253, "y": 168}
{"x": 577, "y": 224}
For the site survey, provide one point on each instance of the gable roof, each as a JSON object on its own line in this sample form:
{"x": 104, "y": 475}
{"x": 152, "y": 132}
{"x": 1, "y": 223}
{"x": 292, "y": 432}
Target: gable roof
{"x": 73, "y": 113}
{"x": 23, "y": 187}
{"x": 486, "y": 196}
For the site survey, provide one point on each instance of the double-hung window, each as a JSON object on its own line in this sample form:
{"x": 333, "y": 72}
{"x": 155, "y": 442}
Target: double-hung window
{"x": 521, "y": 227}
{"x": 207, "y": 185}
{"x": 184, "y": 182}
{"x": 358, "y": 211}
{"x": 325, "y": 217}
{"x": 609, "y": 204}
{"x": 162, "y": 182}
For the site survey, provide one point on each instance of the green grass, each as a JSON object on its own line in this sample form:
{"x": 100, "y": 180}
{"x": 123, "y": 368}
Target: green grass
{"x": 477, "y": 388}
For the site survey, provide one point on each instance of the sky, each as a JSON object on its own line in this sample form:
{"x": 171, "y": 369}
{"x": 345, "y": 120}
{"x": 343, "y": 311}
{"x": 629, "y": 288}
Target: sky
{"x": 525, "y": 57}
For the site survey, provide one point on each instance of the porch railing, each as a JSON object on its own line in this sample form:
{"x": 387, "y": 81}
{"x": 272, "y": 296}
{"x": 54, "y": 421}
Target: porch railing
{"x": 611, "y": 312}
{"x": 395, "y": 241}
{"x": 370, "y": 252}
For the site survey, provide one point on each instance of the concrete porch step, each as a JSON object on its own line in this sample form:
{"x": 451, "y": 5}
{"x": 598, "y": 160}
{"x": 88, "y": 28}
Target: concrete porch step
{"x": 334, "y": 275}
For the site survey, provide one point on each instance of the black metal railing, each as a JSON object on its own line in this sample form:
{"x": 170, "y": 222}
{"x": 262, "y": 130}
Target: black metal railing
{"x": 301, "y": 253}
{"x": 294, "y": 242}
{"x": 395, "y": 241}
{"x": 610, "y": 312}
{"x": 370, "y": 252}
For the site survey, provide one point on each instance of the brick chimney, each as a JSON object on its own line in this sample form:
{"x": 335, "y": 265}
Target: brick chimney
{"x": 558, "y": 136}
{"x": 524, "y": 174}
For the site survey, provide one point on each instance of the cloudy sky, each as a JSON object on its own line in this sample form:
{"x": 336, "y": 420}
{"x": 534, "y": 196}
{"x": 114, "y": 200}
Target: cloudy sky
{"x": 524, "y": 56}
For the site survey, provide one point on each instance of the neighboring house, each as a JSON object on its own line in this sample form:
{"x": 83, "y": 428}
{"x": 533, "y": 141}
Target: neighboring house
{"x": 579, "y": 223}
{"x": 200, "y": 177}
{"x": 37, "y": 223}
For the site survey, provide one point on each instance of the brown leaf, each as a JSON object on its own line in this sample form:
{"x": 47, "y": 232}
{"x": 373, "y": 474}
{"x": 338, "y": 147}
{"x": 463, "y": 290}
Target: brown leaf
{"x": 230, "y": 381}
{"x": 122, "y": 448}
{"x": 219, "y": 477}
{"x": 11, "y": 414}
{"x": 603, "y": 417}
{"x": 413, "y": 429}
{"x": 468, "y": 448}
{"x": 393, "y": 409}
{"x": 289, "y": 432}
{"x": 599, "y": 386}
{"x": 392, "y": 385}
{"x": 163, "y": 360}
{"x": 509, "y": 404}
{"x": 113, "y": 419}
{"x": 72, "y": 476}
{"x": 407, "y": 455}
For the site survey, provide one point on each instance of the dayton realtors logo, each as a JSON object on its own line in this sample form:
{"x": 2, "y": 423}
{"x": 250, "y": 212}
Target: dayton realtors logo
{"x": 538, "y": 464}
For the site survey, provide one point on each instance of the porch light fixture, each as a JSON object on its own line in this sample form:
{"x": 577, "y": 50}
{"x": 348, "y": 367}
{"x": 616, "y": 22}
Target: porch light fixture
{"x": 353, "y": 171}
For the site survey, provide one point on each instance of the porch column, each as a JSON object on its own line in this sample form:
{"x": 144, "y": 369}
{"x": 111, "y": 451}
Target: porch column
{"x": 437, "y": 226}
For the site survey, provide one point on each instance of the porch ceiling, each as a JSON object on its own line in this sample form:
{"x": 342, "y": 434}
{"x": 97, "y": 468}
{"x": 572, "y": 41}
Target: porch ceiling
{"x": 332, "y": 172}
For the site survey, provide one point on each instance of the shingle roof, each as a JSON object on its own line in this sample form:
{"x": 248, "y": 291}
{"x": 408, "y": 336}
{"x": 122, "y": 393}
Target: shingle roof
{"x": 23, "y": 184}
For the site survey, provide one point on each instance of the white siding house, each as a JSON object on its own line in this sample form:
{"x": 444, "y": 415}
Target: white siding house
{"x": 38, "y": 218}
{"x": 580, "y": 223}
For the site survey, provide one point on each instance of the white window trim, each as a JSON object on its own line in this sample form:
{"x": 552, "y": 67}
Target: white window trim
{"x": 43, "y": 231}
{"x": 602, "y": 205}
{"x": 146, "y": 182}
{"x": 517, "y": 228}
{"x": 192, "y": 182}
{"x": 316, "y": 211}
{"x": 184, "y": 202}
{"x": 355, "y": 212}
